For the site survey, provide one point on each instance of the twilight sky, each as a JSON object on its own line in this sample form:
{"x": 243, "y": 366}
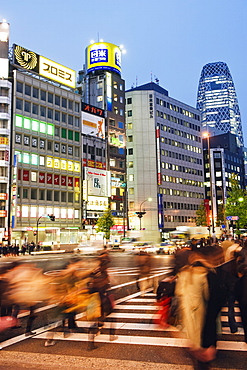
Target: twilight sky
{"x": 167, "y": 39}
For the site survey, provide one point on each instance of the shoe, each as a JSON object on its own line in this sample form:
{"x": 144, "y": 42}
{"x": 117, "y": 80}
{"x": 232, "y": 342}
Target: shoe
{"x": 49, "y": 343}
{"x": 113, "y": 337}
{"x": 27, "y": 334}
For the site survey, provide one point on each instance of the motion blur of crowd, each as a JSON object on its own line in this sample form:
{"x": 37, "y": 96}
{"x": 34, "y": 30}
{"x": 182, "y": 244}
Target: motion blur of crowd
{"x": 207, "y": 274}
{"x": 81, "y": 288}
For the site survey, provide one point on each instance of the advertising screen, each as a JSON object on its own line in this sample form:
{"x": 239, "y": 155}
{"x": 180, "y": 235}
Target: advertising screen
{"x": 103, "y": 56}
{"x": 98, "y": 182}
{"x": 34, "y": 62}
{"x": 93, "y": 125}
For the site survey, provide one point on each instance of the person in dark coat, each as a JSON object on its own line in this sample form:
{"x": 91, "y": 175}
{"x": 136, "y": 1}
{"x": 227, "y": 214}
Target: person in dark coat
{"x": 241, "y": 295}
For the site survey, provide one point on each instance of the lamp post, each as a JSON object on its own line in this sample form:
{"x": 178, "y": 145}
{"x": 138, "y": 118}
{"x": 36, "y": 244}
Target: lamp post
{"x": 141, "y": 213}
{"x": 206, "y": 135}
{"x": 51, "y": 217}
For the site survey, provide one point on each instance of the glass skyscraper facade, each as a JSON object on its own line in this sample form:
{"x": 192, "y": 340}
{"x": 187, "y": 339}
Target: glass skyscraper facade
{"x": 217, "y": 100}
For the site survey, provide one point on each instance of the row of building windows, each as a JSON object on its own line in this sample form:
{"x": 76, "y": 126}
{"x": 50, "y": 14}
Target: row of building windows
{"x": 47, "y": 145}
{"x": 87, "y": 149}
{"x": 178, "y": 120}
{"x": 112, "y": 123}
{"x": 175, "y": 205}
{"x": 180, "y": 156}
{"x": 47, "y": 96}
{"x": 49, "y": 195}
{"x": 175, "y": 167}
{"x": 182, "y": 193}
{"x": 47, "y": 113}
{"x": 186, "y": 219}
{"x": 178, "y": 144}
{"x": 184, "y": 134}
{"x": 180, "y": 180}
{"x": 171, "y": 107}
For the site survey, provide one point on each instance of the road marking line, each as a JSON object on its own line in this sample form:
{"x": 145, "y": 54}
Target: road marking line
{"x": 148, "y": 341}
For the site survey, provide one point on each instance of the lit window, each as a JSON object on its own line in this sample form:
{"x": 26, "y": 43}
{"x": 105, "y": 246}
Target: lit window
{"x": 27, "y": 123}
{"x": 42, "y": 127}
{"x": 25, "y": 211}
{"x": 112, "y": 162}
{"x": 35, "y": 125}
{"x": 18, "y": 121}
{"x": 70, "y": 213}
{"x": 99, "y": 98}
{"x": 34, "y": 176}
{"x": 63, "y": 213}
{"x": 49, "y": 162}
{"x": 50, "y": 129}
{"x": 34, "y": 159}
{"x": 33, "y": 210}
{"x": 26, "y": 158}
{"x": 131, "y": 177}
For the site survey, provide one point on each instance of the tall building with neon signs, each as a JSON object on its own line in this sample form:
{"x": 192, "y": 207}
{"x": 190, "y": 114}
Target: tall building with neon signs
{"x": 102, "y": 86}
{"x": 217, "y": 100}
{"x": 41, "y": 138}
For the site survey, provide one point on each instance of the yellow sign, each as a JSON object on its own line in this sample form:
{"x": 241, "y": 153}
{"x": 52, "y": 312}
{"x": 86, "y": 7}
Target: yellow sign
{"x": 103, "y": 56}
{"x": 34, "y": 62}
{"x": 56, "y": 72}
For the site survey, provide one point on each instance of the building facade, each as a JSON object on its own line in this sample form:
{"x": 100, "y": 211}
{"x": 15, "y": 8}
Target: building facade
{"x": 45, "y": 151}
{"x": 164, "y": 160}
{"x": 102, "y": 86}
{"x": 217, "y": 100}
{"x": 224, "y": 159}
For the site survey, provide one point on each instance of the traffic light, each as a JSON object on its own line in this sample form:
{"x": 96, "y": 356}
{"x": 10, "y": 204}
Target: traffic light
{"x": 140, "y": 214}
{"x": 52, "y": 217}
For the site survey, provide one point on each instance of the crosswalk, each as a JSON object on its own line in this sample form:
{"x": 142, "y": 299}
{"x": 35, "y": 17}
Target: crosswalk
{"x": 133, "y": 322}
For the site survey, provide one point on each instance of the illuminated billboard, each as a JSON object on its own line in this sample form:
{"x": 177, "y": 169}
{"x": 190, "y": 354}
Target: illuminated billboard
{"x": 93, "y": 125}
{"x": 98, "y": 182}
{"x": 103, "y": 56}
{"x": 36, "y": 63}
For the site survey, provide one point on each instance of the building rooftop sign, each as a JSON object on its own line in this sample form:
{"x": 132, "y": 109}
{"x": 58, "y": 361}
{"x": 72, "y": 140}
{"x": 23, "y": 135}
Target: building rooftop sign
{"x": 36, "y": 63}
{"x": 103, "y": 56}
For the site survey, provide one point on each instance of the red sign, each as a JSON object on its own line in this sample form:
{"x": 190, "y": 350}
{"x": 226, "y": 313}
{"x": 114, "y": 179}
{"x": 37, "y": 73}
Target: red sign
{"x": 49, "y": 178}
{"x": 76, "y": 182}
{"x": 207, "y": 209}
{"x": 19, "y": 174}
{"x": 25, "y": 175}
{"x": 70, "y": 181}
{"x": 3, "y": 213}
{"x": 42, "y": 177}
{"x": 56, "y": 180}
{"x": 63, "y": 181}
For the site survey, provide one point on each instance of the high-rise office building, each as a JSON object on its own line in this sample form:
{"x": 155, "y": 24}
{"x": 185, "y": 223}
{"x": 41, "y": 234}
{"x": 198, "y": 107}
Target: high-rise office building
{"x": 217, "y": 100}
{"x": 164, "y": 160}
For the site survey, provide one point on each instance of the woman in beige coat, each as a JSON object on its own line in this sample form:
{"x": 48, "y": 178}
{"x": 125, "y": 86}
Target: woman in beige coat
{"x": 192, "y": 291}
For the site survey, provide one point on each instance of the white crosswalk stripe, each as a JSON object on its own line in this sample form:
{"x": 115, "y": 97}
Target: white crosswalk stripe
{"x": 140, "y": 319}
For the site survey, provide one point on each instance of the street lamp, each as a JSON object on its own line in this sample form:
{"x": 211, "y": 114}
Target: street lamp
{"x": 141, "y": 213}
{"x": 206, "y": 135}
{"x": 51, "y": 217}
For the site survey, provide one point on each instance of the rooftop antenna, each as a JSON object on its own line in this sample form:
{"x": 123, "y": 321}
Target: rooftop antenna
{"x": 136, "y": 81}
{"x": 151, "y": 76}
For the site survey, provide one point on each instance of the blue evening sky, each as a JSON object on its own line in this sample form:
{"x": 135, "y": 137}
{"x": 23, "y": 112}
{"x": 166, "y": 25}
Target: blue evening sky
{"x": 167, "y": 39}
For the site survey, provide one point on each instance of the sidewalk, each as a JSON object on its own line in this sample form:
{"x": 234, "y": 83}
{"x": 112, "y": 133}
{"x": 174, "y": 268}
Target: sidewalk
{"x": 36, "y": 361}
